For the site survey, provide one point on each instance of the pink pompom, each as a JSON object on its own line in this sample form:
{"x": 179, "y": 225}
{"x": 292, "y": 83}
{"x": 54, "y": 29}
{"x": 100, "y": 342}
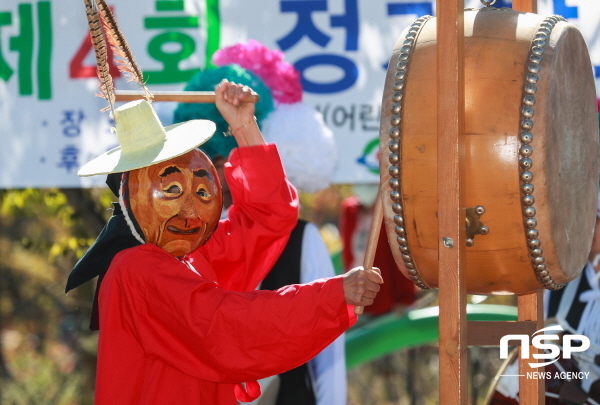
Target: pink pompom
{"x": 280, "y": 77}
{"x": 598, "y": 102}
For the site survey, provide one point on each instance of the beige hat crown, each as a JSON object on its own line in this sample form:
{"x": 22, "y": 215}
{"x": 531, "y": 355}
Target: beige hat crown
{"x": 144, "y": 141}
{"x": 138, "y": 130}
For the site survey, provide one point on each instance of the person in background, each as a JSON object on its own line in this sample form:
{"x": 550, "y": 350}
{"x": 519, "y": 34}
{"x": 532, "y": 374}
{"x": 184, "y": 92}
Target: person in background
{"x": 576, "y": 308}
{"x": 308, "y": 155}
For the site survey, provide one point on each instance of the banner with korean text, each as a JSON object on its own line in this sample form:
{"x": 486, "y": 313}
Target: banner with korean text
{"x": 50, "y": 121}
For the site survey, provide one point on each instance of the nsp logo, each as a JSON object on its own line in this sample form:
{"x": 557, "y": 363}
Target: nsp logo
{"x": 549, "y": 350}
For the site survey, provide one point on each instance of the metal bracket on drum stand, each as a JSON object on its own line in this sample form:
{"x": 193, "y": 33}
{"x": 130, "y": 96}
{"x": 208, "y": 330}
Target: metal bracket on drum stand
{"x": 474, "y": 225}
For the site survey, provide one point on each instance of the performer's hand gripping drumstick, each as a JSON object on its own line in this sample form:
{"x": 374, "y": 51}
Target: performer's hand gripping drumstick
{"x": 368, "y": 284}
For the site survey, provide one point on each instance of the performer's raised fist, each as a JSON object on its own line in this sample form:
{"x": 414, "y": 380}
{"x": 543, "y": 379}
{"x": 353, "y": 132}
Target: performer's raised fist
{"x": 237, "y": 103}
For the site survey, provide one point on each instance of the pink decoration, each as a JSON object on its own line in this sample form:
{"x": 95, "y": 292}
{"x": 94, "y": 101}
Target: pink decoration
{"x": 280, "y": 77}
{"x": 598, "y": 101}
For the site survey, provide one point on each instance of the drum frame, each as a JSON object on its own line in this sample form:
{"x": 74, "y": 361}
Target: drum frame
{"x": 452, "y": 256}
{"x": 450, "y": 169}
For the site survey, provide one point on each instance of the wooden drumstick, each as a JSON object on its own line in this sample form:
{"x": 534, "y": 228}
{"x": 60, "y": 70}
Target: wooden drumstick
{"x": 177, "y": 96}
{"x": 372, "y": 241}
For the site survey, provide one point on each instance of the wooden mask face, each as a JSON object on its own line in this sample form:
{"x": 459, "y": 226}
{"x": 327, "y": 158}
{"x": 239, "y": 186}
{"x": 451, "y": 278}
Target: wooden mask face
{"x": 177, "y": 203}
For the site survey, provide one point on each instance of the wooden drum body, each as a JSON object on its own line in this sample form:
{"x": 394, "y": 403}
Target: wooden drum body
{"x": 531, "y": 151}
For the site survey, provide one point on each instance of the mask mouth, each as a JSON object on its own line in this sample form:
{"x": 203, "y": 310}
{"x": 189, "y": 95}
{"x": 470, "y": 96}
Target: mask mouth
{"x": 178, "y": 231}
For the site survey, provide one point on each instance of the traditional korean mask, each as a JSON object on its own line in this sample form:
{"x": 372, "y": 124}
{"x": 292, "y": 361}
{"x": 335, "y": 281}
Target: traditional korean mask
{"x": 177, "y": 203}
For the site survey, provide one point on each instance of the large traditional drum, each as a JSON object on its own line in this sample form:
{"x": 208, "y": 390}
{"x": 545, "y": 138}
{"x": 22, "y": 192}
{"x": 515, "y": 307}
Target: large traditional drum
{"x": 531, "y": 152}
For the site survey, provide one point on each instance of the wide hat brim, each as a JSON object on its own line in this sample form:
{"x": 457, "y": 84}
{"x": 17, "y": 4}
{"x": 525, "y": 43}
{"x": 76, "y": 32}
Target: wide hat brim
{"x": 180, "y": 139}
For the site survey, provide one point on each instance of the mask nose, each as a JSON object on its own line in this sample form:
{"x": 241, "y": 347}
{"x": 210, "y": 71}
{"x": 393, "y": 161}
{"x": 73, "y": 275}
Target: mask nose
{"x": 188, "y": 213}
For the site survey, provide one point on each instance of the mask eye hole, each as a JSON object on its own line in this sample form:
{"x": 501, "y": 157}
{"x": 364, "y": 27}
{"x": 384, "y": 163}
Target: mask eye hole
{"x": 203, "y": 193}
{"x": 172, "y": 190}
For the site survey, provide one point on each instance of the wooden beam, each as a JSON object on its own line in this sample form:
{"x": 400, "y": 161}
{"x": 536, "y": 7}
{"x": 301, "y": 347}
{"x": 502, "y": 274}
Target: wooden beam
{"x": 531, "y": 391}
{"x": 527, "y": 6}
{"x": 451, "y": 210}
{"x": 175, "y": 96}
{"x": 489, "y": 333}
{"x": 530, "y": 308}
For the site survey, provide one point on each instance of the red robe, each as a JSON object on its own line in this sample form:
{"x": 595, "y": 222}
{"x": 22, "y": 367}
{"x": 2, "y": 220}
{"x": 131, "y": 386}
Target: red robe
{"x": 184, "y": 332}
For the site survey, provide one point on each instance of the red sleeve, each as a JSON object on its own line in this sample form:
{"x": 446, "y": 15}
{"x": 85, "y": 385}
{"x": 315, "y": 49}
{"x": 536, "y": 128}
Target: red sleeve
{"x": 264, "y": 212}
{"x": 202, "y": 330}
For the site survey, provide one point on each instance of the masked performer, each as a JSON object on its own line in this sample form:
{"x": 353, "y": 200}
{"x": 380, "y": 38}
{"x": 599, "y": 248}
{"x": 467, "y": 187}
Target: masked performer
{"x": 177, "y": 328}
{"x": 308, "y": 155}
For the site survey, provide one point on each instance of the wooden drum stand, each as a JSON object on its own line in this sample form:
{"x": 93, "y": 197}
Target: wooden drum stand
{"x": 456, "y": 333}
{"x": 403, "y": 211}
